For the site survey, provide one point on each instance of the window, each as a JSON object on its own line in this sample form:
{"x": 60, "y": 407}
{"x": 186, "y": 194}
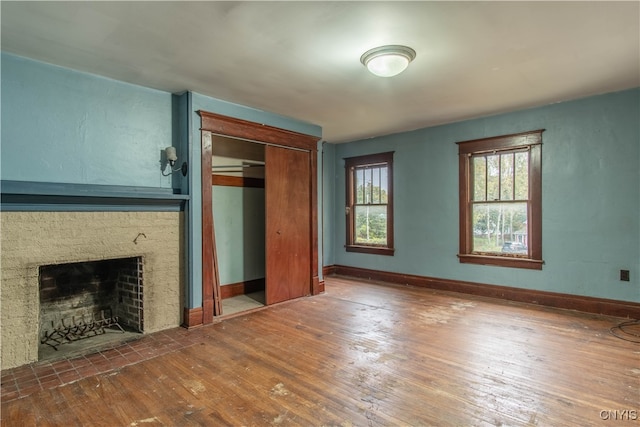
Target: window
{"x": 369, "y": 206}
{"x": 500, "y": 201}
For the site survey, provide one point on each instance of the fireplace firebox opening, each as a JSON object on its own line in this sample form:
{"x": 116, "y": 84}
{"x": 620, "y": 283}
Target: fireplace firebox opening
{"x": 87, "y": 305}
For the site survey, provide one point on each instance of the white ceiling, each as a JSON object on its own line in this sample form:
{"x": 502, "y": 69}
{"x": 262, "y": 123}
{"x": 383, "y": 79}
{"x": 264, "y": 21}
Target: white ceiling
{"x": 302, "y": 59}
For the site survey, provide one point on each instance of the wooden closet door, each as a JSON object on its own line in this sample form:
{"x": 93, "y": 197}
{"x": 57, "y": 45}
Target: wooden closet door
{"x": 288, "y": 224}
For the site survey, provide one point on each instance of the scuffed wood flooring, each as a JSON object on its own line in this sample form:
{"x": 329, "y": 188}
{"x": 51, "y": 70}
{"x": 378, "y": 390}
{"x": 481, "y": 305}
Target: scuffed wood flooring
{"x": 366, "y": 354}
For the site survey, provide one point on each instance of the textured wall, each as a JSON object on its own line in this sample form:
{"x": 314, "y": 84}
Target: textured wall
{"x": 31, "y": 239}
{"x": 60, "y": 125}
{"x": 590, "y": 198}
{"x": 328, "y": 205}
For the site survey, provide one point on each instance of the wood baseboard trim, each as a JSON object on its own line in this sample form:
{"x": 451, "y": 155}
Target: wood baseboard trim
{"x": 545, "y": 298}
{"x": 192, "y": 317}
{"x": 241, "y": 288}
{"x": 328, "y": 270}
{"x": 321, "y": 286}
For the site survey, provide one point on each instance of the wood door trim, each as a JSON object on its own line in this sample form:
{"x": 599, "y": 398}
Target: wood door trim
{"x": 315, "y": 279}
{"x": 211, "y": 301}
{"x": 238, "y": 128}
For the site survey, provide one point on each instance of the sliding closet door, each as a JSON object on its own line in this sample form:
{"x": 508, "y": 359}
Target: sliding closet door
{"x": 288, "y": 229}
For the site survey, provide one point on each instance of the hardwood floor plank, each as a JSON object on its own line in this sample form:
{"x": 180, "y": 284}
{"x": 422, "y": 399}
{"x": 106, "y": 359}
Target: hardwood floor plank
{"x": 366, "y": 354}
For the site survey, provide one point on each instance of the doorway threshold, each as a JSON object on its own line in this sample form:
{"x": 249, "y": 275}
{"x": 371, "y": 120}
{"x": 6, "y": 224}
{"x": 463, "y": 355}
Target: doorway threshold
{"x": 243, "y": 303}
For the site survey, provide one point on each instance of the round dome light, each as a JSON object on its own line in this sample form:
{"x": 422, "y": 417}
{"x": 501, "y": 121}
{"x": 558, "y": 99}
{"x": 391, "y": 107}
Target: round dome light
{"x": 388, "y": 61}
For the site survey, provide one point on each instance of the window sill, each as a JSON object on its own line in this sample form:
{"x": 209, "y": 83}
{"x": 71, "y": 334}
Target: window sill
{"x": 376, "y": 250}
{"x": 501, "y": 261}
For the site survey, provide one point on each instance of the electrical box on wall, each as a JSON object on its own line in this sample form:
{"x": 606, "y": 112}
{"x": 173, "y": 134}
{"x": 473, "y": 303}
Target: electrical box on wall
{"x": 624, "y": 275}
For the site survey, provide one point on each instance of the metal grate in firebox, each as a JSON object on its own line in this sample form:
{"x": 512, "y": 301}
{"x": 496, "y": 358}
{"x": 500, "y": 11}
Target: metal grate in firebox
{"x": 85, "y": 306}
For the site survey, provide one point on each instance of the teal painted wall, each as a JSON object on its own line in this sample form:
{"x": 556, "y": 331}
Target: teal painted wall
{"x": 63, "y": 126}
{"x": 329, "y": 204}
{"x": 591, "y": 198}
{"x": 239, "y": 220}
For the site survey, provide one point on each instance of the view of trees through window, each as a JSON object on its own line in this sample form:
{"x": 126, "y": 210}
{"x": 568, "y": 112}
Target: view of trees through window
{"x": 371, "y": 205}
{"x": 500, "y": 194}
{"x": 499, "y": 201}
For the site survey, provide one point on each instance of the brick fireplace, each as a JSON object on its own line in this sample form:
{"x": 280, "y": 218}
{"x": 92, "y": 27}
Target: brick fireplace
{"x": 83, "y": 300}
{"x": 33, "y": 241}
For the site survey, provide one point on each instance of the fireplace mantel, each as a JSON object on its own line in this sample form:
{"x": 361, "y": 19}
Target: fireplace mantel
{"x": 48, "y": 196}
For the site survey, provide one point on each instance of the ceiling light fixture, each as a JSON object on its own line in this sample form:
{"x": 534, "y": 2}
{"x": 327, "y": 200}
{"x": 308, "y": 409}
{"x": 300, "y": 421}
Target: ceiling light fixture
{"x": 389, "y": 60}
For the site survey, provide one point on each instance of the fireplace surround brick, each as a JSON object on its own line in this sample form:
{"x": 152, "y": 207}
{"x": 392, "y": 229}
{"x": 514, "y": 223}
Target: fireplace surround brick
{"x": 32, "y": 239}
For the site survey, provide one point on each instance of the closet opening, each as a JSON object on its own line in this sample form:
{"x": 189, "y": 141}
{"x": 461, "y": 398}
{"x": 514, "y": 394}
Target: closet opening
{"x": 238, "y": 205}
{"x": 289, "y": 209}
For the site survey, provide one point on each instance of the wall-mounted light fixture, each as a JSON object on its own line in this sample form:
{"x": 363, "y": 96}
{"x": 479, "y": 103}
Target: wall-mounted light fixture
{"x": 172, "y": 157}
{"x": 389, "y": 60}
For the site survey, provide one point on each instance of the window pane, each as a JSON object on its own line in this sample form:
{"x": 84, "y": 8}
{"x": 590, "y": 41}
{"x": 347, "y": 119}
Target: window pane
{"x": 368, "y": 178}
{"x": 375, "y": 186}
{"x": 493, "y": 177}
{"x": 522, "y": 175}
{"x": 506, "y": 176}
{"x": 359, "y": 183}
{"x": 479, "y": 178}
{"x": 384, "y": 184}
{"x": 500, "y": 228}
{"x": 371, "y": 185}
{"x": 366, "y": 185}
{"x": 371, "y": 225}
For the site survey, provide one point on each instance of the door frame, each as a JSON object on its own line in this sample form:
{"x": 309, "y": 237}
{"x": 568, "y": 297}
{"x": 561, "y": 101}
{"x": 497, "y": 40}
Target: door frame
{"x": 217, "y": 124}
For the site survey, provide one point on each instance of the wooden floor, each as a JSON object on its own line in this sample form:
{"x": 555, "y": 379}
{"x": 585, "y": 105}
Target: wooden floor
{"x": 365, "y": 354}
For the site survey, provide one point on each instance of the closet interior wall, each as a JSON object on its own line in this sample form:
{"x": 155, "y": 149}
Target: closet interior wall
{"x": 238, "y": 206}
